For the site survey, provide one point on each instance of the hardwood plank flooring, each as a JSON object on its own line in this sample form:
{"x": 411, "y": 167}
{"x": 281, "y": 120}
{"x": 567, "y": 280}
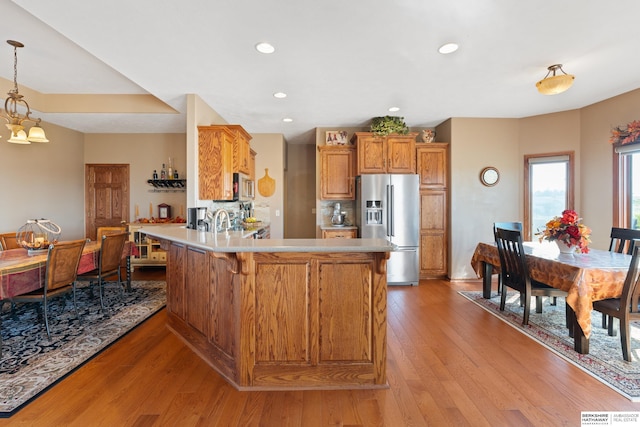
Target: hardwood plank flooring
{"x": 449, "y": 363}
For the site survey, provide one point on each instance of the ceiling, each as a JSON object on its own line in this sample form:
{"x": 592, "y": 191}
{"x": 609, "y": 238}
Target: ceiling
{"x": 340, "y": 62}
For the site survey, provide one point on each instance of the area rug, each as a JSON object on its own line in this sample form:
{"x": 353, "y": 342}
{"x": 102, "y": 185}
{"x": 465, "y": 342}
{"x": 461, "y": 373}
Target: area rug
{"x": 604, "y": 361}
{"x": 31, "y": 363}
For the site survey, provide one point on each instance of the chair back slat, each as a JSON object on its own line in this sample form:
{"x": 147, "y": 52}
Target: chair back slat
{"x": 623, "y": 240}
{"x": 111, "y": 251}
{"x": 62, "y": 263}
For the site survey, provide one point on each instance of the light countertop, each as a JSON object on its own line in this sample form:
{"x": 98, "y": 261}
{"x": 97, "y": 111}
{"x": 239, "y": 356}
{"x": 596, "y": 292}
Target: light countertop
{"x": 240, "y": 241}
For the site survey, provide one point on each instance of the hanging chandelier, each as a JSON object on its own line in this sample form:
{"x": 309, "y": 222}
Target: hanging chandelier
{"x": 10, "y": 112}
{"x": 556, "y": 83}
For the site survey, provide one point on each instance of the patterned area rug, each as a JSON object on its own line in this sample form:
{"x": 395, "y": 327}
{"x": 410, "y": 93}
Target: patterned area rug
{"x": 604, "y": 361}
{"x": 31, "y": 363}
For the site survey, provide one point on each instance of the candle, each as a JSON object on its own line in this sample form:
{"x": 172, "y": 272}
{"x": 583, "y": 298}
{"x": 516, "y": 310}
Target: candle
{"x": 150, "y": 210}
{"x": 137, "y": 212}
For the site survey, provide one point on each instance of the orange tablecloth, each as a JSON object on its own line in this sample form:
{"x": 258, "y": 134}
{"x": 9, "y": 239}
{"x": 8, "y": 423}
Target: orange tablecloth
{"x": 585, "y": 277}
{"x": 21, "y": 273}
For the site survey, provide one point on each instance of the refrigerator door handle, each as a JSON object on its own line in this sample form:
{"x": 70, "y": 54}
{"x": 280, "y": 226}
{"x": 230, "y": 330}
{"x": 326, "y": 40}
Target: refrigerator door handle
{"x": 391, "y": 217}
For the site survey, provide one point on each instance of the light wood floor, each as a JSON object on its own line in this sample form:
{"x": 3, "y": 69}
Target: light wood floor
{"x": 450, "y": 363}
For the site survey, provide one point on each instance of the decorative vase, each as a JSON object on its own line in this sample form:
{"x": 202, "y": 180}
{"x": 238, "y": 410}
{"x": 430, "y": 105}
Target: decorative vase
{"x": 564, "y": 248}
{"x": 428, "y": 135}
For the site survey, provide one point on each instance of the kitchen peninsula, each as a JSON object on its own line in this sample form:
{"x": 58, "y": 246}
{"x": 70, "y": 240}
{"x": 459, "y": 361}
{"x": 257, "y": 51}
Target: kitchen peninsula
{"x": 280, "y": 313}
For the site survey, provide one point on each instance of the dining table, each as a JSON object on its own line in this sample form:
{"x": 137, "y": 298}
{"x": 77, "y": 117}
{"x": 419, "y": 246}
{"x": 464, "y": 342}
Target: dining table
{"x": 586, "y": 277}
{"x": 22, "y": 272}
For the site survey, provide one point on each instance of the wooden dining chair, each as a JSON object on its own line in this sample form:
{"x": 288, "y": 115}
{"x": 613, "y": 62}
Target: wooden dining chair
{"x": 103, "y": 231}
{"x": 60, "y": 277}
{"x": 513, "y": 225}
{"x": 111, "y": 248}
{"x": 623, "y": 241}
{"x": 625, "y": 308}
{"x": 515, "y": 273}
{"x": 9, "y": 241}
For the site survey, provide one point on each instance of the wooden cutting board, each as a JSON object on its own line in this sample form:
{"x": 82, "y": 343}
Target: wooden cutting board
{"x": 266, "y": 185}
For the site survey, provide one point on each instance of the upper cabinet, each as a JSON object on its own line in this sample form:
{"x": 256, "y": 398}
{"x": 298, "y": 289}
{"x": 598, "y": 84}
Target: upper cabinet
{"x": 252, "y": 165}
{"x": 432, "y": 165}
{"x": 385, "y": 154}
{"x": 215, "y": 162}
{"x": 337, "y": 172}
{"x": 241, "y": 149}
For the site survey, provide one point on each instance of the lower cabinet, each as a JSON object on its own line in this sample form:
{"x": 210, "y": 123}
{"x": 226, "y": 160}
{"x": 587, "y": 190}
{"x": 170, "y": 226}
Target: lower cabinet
{"x": 340, "y": 234}
{"x": 282, "y": 320}
{"x": 149, "y": 251}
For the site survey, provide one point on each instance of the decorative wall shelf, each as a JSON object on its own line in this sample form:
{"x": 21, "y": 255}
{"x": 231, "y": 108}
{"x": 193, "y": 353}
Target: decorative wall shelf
{"x": 167, "y": 185}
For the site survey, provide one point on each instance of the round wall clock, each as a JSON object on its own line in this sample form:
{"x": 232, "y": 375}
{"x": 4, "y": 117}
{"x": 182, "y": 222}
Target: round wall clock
{"x": 489, "y": 176}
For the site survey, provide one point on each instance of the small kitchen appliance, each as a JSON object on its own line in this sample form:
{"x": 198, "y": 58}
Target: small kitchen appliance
{"x": 197, "y": 219}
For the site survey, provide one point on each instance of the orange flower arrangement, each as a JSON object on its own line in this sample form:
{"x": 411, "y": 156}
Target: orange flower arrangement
{"x": 569, "y": 229}
{"x": 621, "y": 135}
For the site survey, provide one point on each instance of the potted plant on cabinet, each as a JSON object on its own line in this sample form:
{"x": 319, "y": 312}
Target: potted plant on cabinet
{"x": 387, "y": 125}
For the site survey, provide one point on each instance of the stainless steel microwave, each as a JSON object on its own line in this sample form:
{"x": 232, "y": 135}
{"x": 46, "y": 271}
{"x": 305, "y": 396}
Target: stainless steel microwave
{"x": 243, "y": 187}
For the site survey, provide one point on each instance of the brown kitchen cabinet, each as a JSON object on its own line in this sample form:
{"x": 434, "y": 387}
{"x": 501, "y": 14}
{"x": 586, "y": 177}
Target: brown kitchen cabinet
{"x": 241, "y": 149}
{"x": 340, "y": 234}
{"x": 385, "y": 154}
{"x": 433, "y": 166}
{"x": 337, "y": 172}
{"x": 215, "y": 162}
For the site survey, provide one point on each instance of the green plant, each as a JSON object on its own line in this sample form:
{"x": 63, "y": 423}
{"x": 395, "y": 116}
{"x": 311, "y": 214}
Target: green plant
{"x": 389, "y": 124}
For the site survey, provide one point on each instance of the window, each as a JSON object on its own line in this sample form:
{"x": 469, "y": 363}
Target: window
{"x": 548, "y": 189}
{"x": 627, "y": 205}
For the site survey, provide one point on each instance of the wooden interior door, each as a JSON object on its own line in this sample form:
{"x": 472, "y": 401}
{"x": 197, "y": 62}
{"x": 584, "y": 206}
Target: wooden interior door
{"x": 106, "y": 196}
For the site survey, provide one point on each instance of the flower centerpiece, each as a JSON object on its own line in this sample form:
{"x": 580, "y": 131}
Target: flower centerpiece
{"x": 568, "y": 229}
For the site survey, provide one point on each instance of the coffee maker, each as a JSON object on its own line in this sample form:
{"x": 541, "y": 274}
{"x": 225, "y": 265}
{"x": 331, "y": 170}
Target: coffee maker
{"x": 197, "y": 219}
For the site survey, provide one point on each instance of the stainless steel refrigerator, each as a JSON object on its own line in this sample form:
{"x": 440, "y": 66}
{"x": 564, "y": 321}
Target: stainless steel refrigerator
{"x": 388, "y": 207}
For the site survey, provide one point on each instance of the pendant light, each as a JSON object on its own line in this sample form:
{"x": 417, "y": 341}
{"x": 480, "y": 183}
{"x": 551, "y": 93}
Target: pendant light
{"x": 10, "y": 113}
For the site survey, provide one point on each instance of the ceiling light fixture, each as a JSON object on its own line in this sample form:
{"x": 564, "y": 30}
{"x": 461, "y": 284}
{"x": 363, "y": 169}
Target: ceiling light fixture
{"x": 394, "y": 109}
{"x": 287, "y": 120}
{"x": 448, "y": 48}
{"x": 556, "y": 83}
{"x": 279, "y": 95}
{"x": 10, "y": 112}
{"x": 265, "y": 47}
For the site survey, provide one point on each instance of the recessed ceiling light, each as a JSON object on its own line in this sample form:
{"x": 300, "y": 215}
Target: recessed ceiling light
{"x": 448, "y": 48}
{"x": 280, "y": 95}
{"x": 394, "y": 109}
{"x": 287, "y": 120}
{"x": 265, "y": 47}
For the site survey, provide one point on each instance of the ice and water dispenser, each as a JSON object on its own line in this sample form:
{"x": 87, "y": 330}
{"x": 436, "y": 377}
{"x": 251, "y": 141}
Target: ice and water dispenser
{"x": 373, "y": 212}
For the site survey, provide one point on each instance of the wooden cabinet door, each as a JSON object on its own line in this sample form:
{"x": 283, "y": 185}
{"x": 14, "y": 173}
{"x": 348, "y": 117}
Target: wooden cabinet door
{"x": 215, "y": 162}
{"x": 337, "y": 173}
{"x": 197, "y": 290}
{"x": 371, "y": 153}
{"x": 432, "y": 165}
{"x": 433, "y": 233}
{"x": 175, "y": 280}
{"x": 241, "y": 149}
{"x": 401, "y": 154}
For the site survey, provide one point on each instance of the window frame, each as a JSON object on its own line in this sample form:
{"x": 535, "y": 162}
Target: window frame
{"x": 527, "y": 185}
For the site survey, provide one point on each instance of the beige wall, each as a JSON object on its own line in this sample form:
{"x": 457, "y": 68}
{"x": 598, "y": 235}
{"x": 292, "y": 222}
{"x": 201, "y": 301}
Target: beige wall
{"x": 475, "y": 144}
{"x": 271, "y": 149}
{"x": 43, "y": 181}
{"x": 596, "y": 122}
{"x": 143, "y": 153}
